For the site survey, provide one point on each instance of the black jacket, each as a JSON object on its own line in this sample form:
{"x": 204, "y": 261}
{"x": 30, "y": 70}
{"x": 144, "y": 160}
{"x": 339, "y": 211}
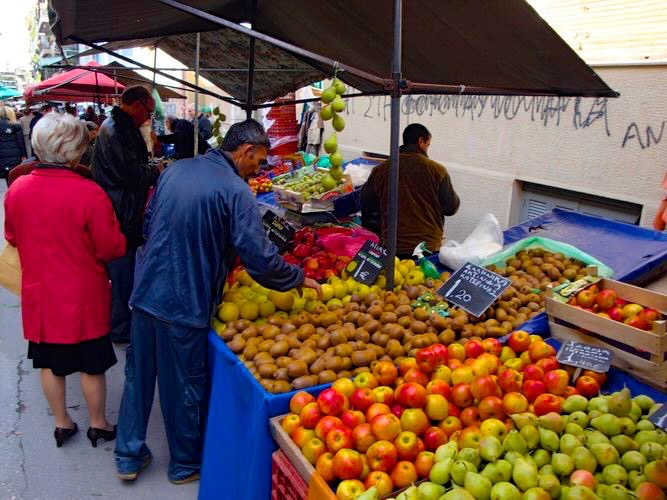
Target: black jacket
{"x": 205, "y": 127}
{"x": 35, "y": 118}
{"x": 12, "y": 147}
{"x": 120, "y": 167}
{"x": 183, "y": 140}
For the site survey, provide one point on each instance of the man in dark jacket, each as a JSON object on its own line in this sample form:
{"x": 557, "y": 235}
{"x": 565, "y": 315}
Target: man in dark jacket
{"x": 37, "y": 115}
{"x": 201, "y": 217}
{"x": 205, "y": 127}
{"x": 183, "y": 138}
{"x": 12, "y": 145}
{"x": 120, "y": 166}
{"x": 425, "y": 196}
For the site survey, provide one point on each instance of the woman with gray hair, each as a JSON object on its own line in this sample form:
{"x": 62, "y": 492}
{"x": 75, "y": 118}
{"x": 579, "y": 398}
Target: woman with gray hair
{"x": 65, "y": 230}
{"x": 12, "y": 145}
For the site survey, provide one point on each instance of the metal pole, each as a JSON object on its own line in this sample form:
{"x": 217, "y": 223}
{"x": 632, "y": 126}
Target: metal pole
{"x": 251, "y": 66}
{"x": 392, "y": 198}
{"x": 196, "y": 124}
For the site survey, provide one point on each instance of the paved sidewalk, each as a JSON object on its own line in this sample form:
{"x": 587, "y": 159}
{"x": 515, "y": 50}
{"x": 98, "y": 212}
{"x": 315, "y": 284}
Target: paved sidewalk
{"x": 31, "y": 467}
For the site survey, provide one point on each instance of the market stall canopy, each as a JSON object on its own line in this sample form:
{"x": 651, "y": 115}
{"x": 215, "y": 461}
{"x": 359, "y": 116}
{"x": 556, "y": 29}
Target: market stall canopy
{"x": 77, "y": 85}
{"x": 130, "y": 77}
{"x": 7, "y": 93}
{"x": 463, "y": 46}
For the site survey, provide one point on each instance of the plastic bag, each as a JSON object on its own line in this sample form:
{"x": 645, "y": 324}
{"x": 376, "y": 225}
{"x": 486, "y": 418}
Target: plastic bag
{"x": 359, "y": 173}
{"x": 486, "y": 239}
{"x": 344, "y": 241}
{"x": 499, "y": 259}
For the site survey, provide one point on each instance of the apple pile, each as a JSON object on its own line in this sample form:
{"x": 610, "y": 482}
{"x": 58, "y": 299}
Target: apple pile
{"x": 259, "y": 185}
{"x": 607, "y": 304}
{"x": 317, "y": 263}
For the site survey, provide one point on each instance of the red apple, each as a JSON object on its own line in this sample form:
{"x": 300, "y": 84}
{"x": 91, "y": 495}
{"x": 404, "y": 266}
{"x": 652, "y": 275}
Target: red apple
{"x": 324, "y": 466}
{"x": 519, "y": 341}
{"x": 533, "y": 388}
{"x": 570, "y": 391}
{"x": 365, "y": 380}
{"x": 585, "y": 298}
{"x": 514, "y": 402}
{"x": 434, "y": 437}
{"x": 548, "y": 364}
{"x": 630, "y": 310}
{"x": 325, "y": 425}
{"x": 616, "y": 313}
{"x": 376, "y": 409}
{"x": 384, "y": 394}
{"x": 382, "y": 456}
{"x": 637, "y": 322}
{"x": 427, "y": 360}
{"x": 450, "y": 425}
{"x": 483, "y": 386}
{"x": 411, "y": 395}
{"x": 600, "y": 377}
{"x": 417, "y": 376}
{"x": 469, "y": 437}
{"x": 385, "y": 372}
{"x": 424, "y": 463}
{"x": 491, "y": 407}
{"x": 347, "y": 464}
{"x": 406, "y": 364}
{"x": 650, "y": 315}
{"x": 547, "y": 403}
{"x": 397, "y": 410}
{"x": 461, "y": 395}
{"x": 539, "y": 350}
{"x": 437, "y": 407}
{"x": 339, "y": 438}
{"x": 605, "y": 299}
{"x": 556, "y": 381}
{"x": 349, "y": 489}
{"x": 381, "y": 481}
{"x": 510, "y": 380}
{"x": 587, "y": 386}
{"x": 363, "y": 437}
{"x": 313, "y": 449}
{"x": 290, "y": 423}
{"x": 456, "y": 351}
{"x": 331, "y": 402}
{"x": 438, "y": 386}
{"x": 470, "y": 416}
{"x": 310, "y": 415}
{"x": 473, "y": 348}
{"x": 301, "y": 436}
{"x": 403, "y": 474}
{"x": 345, "y": 386}
{"x": 352, "y": 418}
{"x": 386, "y": 426}
{"x": 406, "y": 445}
{"x": 414, "y": 420}
{"x": 361, "y": 399}
{"x": 492, "y": 346}
{"x": 299, "y": 400}
{"x": 619, "y": 302}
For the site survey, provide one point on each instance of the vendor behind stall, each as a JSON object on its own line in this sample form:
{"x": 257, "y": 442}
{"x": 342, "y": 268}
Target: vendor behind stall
{"x": 425, "y": 195}
{"x": 182, "y": 136}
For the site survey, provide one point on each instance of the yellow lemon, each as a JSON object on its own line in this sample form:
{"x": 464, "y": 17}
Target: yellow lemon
{"x": 340, "y": 290}
{"x": 249, "y": 311}
{"x": 409, "y": 263}
{"x": 346, "y": 299}
{"x": 266, "y": 309}
{"x": 283, "y": 300}
{"x": 404, "y": 269}
{"x": 309, "y": 294}
{"x": 244, "y": 278}
{"x": 299, "y": 304}
{"x": 381, "y": 281}
{"x": 327, "y": 292}
{"x": 375, "y": 289}
{"x": 311, "y": 305}
{"x": 361, "y": 290}
{"x": 350, "y": 284}
{"x": 334, "y": 304}
{"x": 228, "y": 312}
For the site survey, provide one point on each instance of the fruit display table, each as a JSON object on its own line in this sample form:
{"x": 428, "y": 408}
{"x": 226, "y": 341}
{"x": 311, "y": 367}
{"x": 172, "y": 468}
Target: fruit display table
{"x": 238, "y": 445}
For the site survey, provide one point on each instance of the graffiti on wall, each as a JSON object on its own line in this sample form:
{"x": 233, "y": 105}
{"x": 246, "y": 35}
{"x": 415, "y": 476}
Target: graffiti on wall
{"x": 644, "y": 137}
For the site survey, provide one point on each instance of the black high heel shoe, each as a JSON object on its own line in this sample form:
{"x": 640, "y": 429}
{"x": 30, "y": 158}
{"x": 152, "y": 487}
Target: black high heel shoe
{"x": 94, "y": 434}
{"x": 62, "y": 434}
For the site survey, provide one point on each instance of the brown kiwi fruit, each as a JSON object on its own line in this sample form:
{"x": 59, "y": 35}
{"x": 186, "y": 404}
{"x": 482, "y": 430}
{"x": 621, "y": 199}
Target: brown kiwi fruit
{"x": 362, "y": 335}
{"x": 279, "y": 348}
{"x": 304, "y": 381}
{"x": 317, "y": 366}
{"x": 343, "y": 350}
{"x": 281, "y": 386}
{"x": 326, "y": 377}
{"x": 228, "y": 334}
{"x": 265, "y": 345}
{"x": 334, "y": 363}
{"x": 418, "y": 327}
{"x": 360, "y": 369}
{"x": 420, "y": 314}
{"x": 250, "y": 352}
{"x": 267, "y": 371}
{"x": 236, "y": 345}
{"x": 297, "y": 368}
{"x": 360, "y": 358}
{"x": 403, "y": 310}
{"x": 388, "y": 317}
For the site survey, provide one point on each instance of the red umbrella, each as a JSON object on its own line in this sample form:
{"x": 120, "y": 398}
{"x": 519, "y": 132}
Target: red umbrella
{"x": 76, "y": 85}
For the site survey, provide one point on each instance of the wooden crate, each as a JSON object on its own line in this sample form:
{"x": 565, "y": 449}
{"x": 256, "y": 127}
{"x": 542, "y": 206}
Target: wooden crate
{"x": 629, "y": 345}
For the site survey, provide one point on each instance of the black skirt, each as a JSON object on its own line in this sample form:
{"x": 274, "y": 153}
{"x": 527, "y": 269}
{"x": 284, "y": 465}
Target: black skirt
{"x": 93, "y": 357}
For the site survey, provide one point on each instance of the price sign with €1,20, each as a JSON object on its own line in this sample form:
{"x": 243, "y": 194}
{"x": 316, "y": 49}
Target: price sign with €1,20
{"x": 368, "y": 263}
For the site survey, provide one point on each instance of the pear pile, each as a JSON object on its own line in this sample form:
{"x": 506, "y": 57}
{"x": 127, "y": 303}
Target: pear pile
{"x": 332, "y": 105}
{"x": 602, "y": 448}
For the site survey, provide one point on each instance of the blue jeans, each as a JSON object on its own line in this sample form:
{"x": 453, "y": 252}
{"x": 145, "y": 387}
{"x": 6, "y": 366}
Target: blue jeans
{"x": 121, "y": 273}
{"x": 176, "y": 356}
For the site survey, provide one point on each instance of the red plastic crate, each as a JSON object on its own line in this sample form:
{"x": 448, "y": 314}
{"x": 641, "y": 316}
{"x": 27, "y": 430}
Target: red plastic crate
{"x": 286, "y": 483}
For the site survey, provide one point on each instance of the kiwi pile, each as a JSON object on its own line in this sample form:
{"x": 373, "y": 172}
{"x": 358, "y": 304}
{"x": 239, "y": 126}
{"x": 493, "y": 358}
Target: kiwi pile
{"x": 308, "y": 349}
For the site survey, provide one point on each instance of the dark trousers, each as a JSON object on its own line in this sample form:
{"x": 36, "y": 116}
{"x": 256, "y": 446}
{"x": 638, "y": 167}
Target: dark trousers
{"x": 176, "y": 356}
{"x": 121, "y": 272}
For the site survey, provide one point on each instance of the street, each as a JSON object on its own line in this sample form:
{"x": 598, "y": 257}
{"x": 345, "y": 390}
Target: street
{"x": 31, "y": 467}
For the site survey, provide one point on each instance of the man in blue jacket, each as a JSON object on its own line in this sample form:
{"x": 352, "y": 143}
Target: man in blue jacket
{"x": 201, "y": 217}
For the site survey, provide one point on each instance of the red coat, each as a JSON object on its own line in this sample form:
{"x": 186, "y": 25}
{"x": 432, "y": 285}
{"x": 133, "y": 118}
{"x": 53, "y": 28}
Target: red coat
{"x": 65, "y": 230}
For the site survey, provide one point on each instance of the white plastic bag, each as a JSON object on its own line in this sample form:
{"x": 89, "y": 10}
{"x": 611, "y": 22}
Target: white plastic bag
{"x": 359, "y": 173}
{"x": 486, "y": 239}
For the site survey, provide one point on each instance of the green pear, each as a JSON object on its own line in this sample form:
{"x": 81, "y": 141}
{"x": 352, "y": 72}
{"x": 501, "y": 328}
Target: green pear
{"x": 644, "y": 425}
{"x": 598, "y": 403}
{"x": 492, "y": 473}
{"x": 331, "y": 144}
{"x": 541, "y": 457}
{"x": 430, "y": 491}
{"x": 614, "y": 474}
{"x": 618, "y": 492}
{"x": 568, "y": 443}
{"x": 460, "y": 469}
{"x": 441, "y": 471}
{"x": 651, "y": 450}
{"x": 521, "y": 419}
{"x": 326, "y": 113}
{"x": 478, "y": 486}
{"x": 594, "y": 414}
{"x": 531, "y": 436}
{"x": 412, "y": 493}
{"x": 550, "y": 483}
{"x": 340, "y": 86}
{"x": 646, "y": 437}
{"x": 578, "y": 493}
{"x": 524, "y": 474}
{"x": 562, "y": 464}
{"x": 644, "y": 402}
{"x": 619, "y": 403}
{"x": 595, "y": 437}
{"x": 584, "y": 459}
{"x": 553, "y": 422}
{"x": 504, "y": 468}
{"x": 470, "y": 455}
{"x": 457, "y": 494}
{"x": 654, "y": 408}
{"x": 635, "y": 478}
{"x": 624, "y": 443}
{"x": 448, "y": 450}
{"x": 536, "y": 493}
{"x": 549, "y": 440}
{"x": 635, "y": 413}
{"x": 336, "y": 158}
{"x": 546, "y": 470}
{"x": 328, "y": 182}
{"x": 605, "y": 454}
{"x": 505, "y": 491}
{"x": 372, "y": 494}
{"x": 490, "y": 449}
{"x": 662, "y": 436}
{"x": 608, "y": 424}
{"x": 336, "y": 172}
{"x": 328, "y": 95}
{"x": 633, "y": 460}
{"x": 512, "y": 457}
{"x": 628, "y": 426}
{"x": 514, "y": 441}
{"x": 576, "y": 430}
{"x": 338, "y": 105}
{"x": 338, "y": 123}
{"x": 576, "y": 402}
{"x": 578, "y": 417}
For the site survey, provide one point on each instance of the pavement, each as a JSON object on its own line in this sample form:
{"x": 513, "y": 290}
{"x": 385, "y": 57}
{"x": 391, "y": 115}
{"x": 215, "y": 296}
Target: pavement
{"x": 31, "y": 467}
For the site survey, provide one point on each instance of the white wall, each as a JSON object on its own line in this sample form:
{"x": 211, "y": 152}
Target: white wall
{"x": 608, "y": 147}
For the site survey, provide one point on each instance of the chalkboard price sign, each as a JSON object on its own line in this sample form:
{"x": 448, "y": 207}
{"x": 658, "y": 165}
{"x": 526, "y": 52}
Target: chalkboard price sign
{"x": 278, "y": 230}
{"x": 368, "y": 263}
{"x": 585, "y": 356}
{"x": 659, "y": 417}
{"x": 473, "y": 288}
